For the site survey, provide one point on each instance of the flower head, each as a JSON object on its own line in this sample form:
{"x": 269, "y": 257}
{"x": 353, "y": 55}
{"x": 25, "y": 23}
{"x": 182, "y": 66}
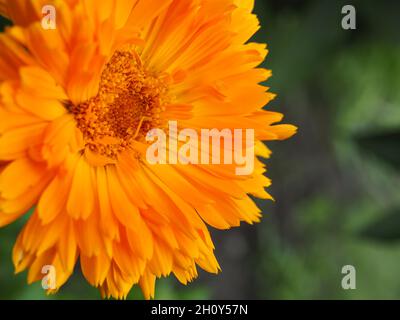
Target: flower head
{"x": 76, "y": 103}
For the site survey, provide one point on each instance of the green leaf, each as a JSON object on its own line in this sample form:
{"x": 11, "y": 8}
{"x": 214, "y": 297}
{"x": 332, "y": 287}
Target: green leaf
{"x": 385, "y": 229}
{"x": 384, "y": 146}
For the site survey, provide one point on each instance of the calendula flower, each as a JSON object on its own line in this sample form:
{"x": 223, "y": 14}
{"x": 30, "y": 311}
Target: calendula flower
{"x": 76, "y": 104}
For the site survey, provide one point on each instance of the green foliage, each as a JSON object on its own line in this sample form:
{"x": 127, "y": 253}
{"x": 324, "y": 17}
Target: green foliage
{"x": 338, "y": 201}
{"x": 385, "y": 229}
{"x": 385, "y": 146}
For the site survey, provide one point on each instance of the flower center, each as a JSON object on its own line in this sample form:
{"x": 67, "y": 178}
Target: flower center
{"x": 128, "y": 105}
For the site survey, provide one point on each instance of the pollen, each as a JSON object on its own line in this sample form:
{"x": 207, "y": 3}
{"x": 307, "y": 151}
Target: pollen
{"x": 129, "y": 103}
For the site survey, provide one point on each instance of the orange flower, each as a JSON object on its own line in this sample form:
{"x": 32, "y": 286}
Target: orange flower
{"x": 76, "y": 103}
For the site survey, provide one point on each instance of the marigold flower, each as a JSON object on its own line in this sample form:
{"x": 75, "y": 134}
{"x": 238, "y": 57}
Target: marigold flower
{"x": 76, "y": 103}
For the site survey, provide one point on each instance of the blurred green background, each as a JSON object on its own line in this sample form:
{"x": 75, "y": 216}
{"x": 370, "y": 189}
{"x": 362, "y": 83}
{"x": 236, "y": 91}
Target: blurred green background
{"x": 336, "y": 183}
